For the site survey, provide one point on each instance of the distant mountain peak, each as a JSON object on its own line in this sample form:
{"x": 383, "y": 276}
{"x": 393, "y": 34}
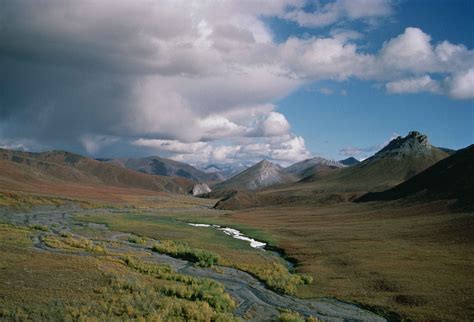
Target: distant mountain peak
{"x": 265, "y": 164}
{"x": 262, "y": 174}
{"x": 301, "y": 168}
{"x": 349, "y": 161}
{"x": 413, "y": 143}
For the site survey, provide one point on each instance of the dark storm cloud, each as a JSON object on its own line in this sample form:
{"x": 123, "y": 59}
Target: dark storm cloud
{"x": 171, "y": 75}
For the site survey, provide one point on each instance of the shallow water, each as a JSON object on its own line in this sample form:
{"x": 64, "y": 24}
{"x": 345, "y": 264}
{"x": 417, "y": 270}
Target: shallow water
{"x": 234, "y": 233}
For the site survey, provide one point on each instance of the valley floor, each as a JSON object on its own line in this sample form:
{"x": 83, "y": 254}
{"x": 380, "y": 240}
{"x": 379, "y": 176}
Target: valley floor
{"x": 412, "y": 259}
{"x": 54, "y": 267}
{"x": 397, "y": 260}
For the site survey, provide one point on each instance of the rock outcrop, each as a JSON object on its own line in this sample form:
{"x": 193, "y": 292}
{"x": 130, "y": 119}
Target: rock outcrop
{"x": 200, "y": 188}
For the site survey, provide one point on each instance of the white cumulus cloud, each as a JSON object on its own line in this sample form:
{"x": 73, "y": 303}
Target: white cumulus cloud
{"x": 413, "y": 85}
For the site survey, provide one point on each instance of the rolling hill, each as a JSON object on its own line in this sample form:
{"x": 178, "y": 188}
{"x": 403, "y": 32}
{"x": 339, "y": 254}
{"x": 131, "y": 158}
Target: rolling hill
{"x": 165, "y": 167}
{"x": 60, "y": 171}
{"x": 451, "y": 178}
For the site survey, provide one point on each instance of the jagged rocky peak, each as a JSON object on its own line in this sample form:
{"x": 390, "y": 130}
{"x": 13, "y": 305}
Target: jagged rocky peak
{"x": 262, "y": 174}
{"x": 414, "y": 142}
{"x": 266, "y": 164}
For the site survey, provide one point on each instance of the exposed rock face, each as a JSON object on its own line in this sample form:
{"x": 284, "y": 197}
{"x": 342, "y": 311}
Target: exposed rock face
{"x": 451, "y": 178}
{"x": 398, "y": 161}
{"x": 200, "y": 188}
{"x": 262, "y": 174}
{"x": 413, "y": 143}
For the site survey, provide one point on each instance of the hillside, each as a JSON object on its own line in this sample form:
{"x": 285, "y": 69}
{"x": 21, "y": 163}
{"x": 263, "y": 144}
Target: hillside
{"x": 261, "y": 175}
{"x": 401, "y": 159}
{"x": 313, "y": 166}
{"x": 349, "y": 161}
{"x": 165, "y": 167}
{"x": 451, "y": 178}
{"x": 226, "y": 171}
{"x": 53, "y": 171}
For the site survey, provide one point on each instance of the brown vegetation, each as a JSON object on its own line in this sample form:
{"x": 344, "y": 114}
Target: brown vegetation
{"x": 411, "y": 259}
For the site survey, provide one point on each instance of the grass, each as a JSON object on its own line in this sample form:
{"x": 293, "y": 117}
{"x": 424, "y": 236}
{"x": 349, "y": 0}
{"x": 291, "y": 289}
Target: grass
{"x": 74, "y": 243}
{"x": 27, "y": 201}
{"x": 39, "y": 227}
{"x": 290, "y": 316}
{"x": 411, "y": 259}
{"x": 137, "y": 240}
{"x": 44, "y": 286}
{"x": 15, "y": 236}
{"x": 181, "y": 250}
{"x": 204, "y": 246}
{"x": 187, "y": 287}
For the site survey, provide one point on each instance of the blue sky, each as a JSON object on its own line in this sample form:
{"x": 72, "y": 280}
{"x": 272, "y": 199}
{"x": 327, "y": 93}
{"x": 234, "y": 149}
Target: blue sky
{"x": 366, "y": 115}
{"x": 234, "y": 81}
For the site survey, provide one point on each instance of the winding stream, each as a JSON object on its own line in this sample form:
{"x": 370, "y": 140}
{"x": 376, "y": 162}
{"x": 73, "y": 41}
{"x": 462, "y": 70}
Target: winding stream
{"x": 250, "y": 294}
{"x": 234, "y": 233}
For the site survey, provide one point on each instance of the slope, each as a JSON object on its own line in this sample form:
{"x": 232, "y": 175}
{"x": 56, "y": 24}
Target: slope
{"x": 54, "y": 170}
{"x": 451, "y": 178}
{"x": 401, "y": 159}
{"x": 261, "y": 175}
{"x": 165, "y": 167}
{"x": 314, "y": 166}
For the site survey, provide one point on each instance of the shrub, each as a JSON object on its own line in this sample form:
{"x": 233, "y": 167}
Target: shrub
{"x": 72, "y": 243}
{"x": 187, "y": 287}
{"x": 278, "y": 278}
{"x": 137, "y": 240}
{"x": 291, "y": 316}
{"x": 181, "y": 250}
{"x": 40, "y": 227}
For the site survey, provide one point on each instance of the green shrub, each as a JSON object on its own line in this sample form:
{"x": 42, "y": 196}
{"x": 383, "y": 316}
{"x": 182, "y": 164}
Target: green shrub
{"x": 278, "y": 278}
{"x": 181, "y": 250}
{"x": 137, "y": 240}
{"x": 122, "y": 299}
{"x": 39, "y": 227}
{"x": 291, "y": 316}
{"x": 187, "y": 287}
{"x": 74, "y": 243}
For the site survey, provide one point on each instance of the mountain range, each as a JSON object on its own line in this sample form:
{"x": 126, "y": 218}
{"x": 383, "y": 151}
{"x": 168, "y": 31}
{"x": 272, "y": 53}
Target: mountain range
{"x": 166, "y": 167}
{"x": 399, "y": 160}
{"x": 60, "y": 171}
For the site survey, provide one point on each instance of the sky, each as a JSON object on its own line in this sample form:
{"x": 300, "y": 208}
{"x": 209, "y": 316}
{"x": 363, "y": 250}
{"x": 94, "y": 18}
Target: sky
{"x": 234, "y": 81}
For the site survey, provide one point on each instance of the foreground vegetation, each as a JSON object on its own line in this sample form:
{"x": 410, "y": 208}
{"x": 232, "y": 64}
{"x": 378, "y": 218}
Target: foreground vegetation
{"x": 186, "y": 287}
{"x": 83, "y": 288}
{"x": 23, "y": 201}
{"x": 181, "y": 250}
{"x": 412, "y": 259}
{"x": 205, "y": 247}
